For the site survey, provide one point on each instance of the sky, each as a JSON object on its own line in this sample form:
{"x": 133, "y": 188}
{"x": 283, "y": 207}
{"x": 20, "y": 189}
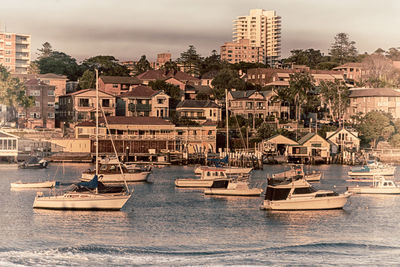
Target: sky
{"x": 128, "y": 29}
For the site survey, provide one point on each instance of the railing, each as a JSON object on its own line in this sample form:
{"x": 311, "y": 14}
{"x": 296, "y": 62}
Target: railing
{"x": 139, "y": 107}
{"x": 152, "y": 137}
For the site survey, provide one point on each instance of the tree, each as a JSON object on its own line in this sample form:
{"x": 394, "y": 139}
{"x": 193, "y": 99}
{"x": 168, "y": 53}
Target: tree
{"x": 395, "y": 140}
{"x": 45, "y": 51}
{"x": 107, "y": 65}
{"x": 300, "y": 86}
{"x": 393, "y": 54}
{"x": 142, "y": 65}
{"x": 191, "y": 61}
{"x": 170, "y": 67}
{"x": 60, "y": 63}
{"x": 380, "y": 72}
{"x": 374, "y": 125}
{"x": 266, "y": 130}
{"x": 88, "y": 80}
{"x": 226, "y": 79}
{"x": 211, "y": 63}
{"x": 343, "y": 50}
{"x": 336, "y": 96}
{"x": 172, "y": 90}
{"x": 309, "y": 57}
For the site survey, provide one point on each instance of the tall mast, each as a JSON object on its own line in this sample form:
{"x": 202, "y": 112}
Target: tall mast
{"x": 97, "y": 121}
{"x": 227, "y": 121}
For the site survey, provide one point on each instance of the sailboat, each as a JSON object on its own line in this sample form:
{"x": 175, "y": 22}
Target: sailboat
{"x": 92, "y": 195}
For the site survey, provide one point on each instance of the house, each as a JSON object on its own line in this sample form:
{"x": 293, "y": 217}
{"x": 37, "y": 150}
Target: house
{"x": 254, "y": 104}
{"x": 364, "y": 100}
{"x": 8, "y": 146}
{"x": 311, "y": 148}
{"x": 277, "y": 144}
{"x": 144, "y": 101}
{"x": 352, "y": 71}
{"x": 178, "y": 78}
{"x": 144, "y": 134}
{"x": 344, "y": 140}
{"x": 42, "y": 114}
{"x": 117, "y": 85}
{"x": 199, "y": 110}
{"x": 208, "y": 77}
{"x": 81, "y": 105}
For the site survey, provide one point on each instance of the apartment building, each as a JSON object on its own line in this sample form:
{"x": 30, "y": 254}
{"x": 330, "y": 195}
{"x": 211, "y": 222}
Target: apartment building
{"x": 42, "y": 114}
{"x": 263, "y": 29}
{"x": 15, "y": 52}
{"x": 364, "y": 100}
{"x": 242, "y": 51}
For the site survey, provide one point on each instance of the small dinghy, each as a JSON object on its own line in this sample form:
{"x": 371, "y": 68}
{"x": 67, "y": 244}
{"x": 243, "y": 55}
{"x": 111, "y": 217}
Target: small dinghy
{"x": 45, "y": 184}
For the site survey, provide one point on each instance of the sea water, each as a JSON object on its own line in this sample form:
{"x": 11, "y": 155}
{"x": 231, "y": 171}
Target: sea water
{"x": 162, "y": 225}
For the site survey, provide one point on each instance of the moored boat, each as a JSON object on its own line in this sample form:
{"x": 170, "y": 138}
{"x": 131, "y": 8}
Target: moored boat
{"x": 44, "y": 184}
{"x": 111, "y": 173}
{"x": 298, "y": 194}
{"x": 33, "y": 163}
{"x": 229, "y": 170}
{"x": 230, "y": 187}
{"x": 373, "y": 168}
{"x": 298, "y": 170}
{"x": 206, "y": 179}
{"x": 380, "y": 185}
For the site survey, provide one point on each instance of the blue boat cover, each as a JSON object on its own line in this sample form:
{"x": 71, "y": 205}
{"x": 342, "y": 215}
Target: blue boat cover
{"x": 92, "y": 184}
{"x": 218, "y": 162}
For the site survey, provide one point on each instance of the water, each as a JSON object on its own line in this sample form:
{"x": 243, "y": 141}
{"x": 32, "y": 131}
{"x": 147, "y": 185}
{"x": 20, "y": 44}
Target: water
{"x": 162, "y": 225}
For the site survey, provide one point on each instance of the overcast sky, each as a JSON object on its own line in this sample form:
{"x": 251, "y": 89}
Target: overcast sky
{"x": 128, "y": 29}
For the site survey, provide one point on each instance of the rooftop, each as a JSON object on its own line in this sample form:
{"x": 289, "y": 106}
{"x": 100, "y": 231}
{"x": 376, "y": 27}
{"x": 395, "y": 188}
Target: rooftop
{"x": 120, "y": 79}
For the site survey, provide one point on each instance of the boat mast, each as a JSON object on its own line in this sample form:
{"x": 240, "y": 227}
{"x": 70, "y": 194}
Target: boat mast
{"x": 97, "y": 122}
{"x": 227, "y": 121}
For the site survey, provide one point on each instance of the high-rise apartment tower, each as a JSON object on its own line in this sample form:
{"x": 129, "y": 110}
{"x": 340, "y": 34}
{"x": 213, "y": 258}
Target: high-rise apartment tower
{"x": 263, "y": 29}
{"x": 15, "y": 52}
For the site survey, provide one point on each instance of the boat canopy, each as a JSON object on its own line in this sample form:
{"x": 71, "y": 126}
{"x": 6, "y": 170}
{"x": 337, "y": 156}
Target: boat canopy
{"x": 92, "y": 184}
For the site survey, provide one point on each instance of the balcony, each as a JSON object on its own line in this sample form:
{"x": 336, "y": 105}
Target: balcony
{"x": 139, "y": 107}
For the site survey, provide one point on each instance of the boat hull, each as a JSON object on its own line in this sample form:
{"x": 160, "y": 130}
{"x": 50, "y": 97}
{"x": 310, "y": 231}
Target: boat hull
{"x": 254, "y": 192}
{"x": 193, "y": 183}
{"x": 228, "y": 171}
{"x": 46, "y": 184}
{"x": 117, "y": 178}
{"x": 313, "y": 177}
{"x": 317, "y": 203}
{"x": 77, "y": 201}
{"x": 373, "y": 190}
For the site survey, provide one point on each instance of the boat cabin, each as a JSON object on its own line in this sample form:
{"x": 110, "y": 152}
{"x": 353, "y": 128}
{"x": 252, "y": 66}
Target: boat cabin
{"x": 214, "y": 173}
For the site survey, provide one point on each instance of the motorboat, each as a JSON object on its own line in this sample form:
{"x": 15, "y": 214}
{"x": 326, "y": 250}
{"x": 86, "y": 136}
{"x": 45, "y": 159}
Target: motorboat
{"x": 44, "y": 184}
{"x": 111, "y": 173}
{"x": 229, "y": 170}
{"x": 380, "y": 185}
{"x": 373, "y": 168}
{"x": 33, "y": 163}
{"x": 297, "y": 169}
{"x": 298, "y": 194}
{"x": 91, "y": 195}
{"x": 206, "y": 180}
{"x": 232, "y": 187}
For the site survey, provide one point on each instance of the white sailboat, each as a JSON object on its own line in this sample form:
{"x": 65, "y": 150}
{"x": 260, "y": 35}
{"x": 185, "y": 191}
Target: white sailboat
{"x": 91, "y": 195}
{"x": 44, "y": 184}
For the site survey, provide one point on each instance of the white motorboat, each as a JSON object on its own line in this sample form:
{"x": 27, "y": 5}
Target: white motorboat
{"x": 111, "y": 173}
{"x": 373, "y": 168}
{"x": 231, "y": 187}
{"x": 380, "y": 185}
{"x": 230, "y": 170}
{"x": 92, "y": 195}
{"x": 44, "y": 184}
{"x": 298, "y": 194}
{"x": 206, "y": 179}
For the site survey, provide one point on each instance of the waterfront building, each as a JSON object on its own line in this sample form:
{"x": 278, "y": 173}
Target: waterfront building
{"x": 142, "y": 135}
{"x": 8, "y": 146}
{"x": 364, "y": 100}
{"x": 242, "y": 51}
{"x": 253, "y": 104}
{"x": 15, "y": 52}
{"x": 311, "y": 147}
{"x": 81, "y": 105}
{"x": 276, "y": 144}
{"x": 42, "y": 114}
{"x": 199, "y": 110}
{"x": 144, "y": 101}
{"x": 117, "y": 85}
{"x": 343, "y": 140}
{"x": 263, "y": 29}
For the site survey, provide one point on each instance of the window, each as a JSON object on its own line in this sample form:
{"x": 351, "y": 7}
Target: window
{"x": 37, "y": 104}
{"x": 35, "y": 115}
{"x": 115, "y": 85}
{"x": 8, "y": 52}
{"x": 105, "y": 103}
{"x": 50, "y": 93}
{"x": 8, "y": 60}
{"x": 160, "y": 100}
{"x": 50, "y": 104}
{"x": 50, "y": 115}
{"x": 34, "y": 93}
{"x": 8, "y": 36}
{"x": 83, "y": 102}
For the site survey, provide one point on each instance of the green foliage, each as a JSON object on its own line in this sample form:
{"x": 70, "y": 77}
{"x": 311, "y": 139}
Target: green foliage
{"x": 172, "y": 90}
{"x": 88, "y": 80}
{"x": 45, "y": 51}
{"x": 59, "y": 63}
{"x": 327, "y": 65}
{"x": 336, "y": 96}
{"x": 202, "y": 96}
{"x": 211, "y": 63}
{"x": 107, "y": 65}
{"x": 170, "y": 67}
{"x": 300, "y": 86}
{"x": 266, "y": 130}
{"x": 343, "y": 50}
{"x": 395, "y": 140}
{"x": 142, "y": 65}
{"x": 226, "y": 79}
{"x": 191, "y": 61}
{"x": 309, "y": 57}
{"x": 375, "y": 125}
{"x": 244, "y": 66}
